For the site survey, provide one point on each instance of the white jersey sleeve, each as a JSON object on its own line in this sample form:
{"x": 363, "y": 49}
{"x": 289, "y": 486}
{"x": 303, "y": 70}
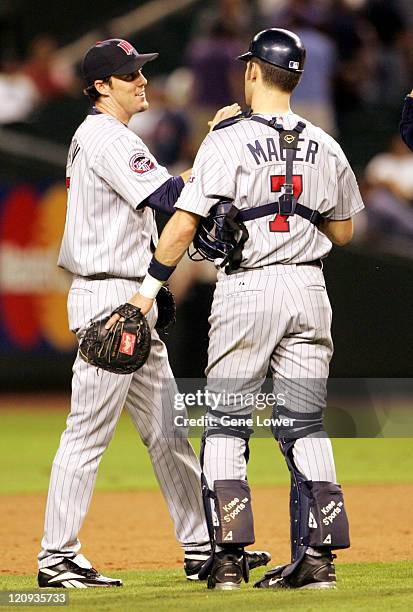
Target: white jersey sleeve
{"x": 210, "y": 180}
{"x": 127, "y": 165}
{"x": 348, "y": 201}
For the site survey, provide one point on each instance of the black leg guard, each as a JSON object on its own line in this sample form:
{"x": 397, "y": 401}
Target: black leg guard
{"x": 299, "y": 504}
{"x": 207, "y": 497}
{"x": 317, "y": 513}
{"x": 235, "y": 526}
{"x": 232, "y": 525}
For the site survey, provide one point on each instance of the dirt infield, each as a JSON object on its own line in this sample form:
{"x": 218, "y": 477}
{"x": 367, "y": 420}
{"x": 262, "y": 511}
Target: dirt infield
{"x": 133, "y": 530}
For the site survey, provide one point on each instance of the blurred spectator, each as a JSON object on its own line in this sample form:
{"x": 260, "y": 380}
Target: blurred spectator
{"x": 386, "y": 18}
{"x": 354, "y": 39}
{"x": 313, "y": 98}
{"x": 170, "y": 137}
{"x": 238, "y": 15}
{"x": 50, "y": 77}
{"x": 39, "y": 79}
{"x": 212, "y": 60}
{"x": 393, "y": 169}
{"x": 391, "y": 71}
{"x": 282, "y": 13}
{"x": 389, "y": 192}
{"x": 217, "y": 75}
{"x": 19, "y": 97}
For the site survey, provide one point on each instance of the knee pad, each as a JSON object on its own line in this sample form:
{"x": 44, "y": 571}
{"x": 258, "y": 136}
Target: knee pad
{"x": 226, "y": 424}
{"x": 292, "y": 425}
{"x": 317, "y": 513}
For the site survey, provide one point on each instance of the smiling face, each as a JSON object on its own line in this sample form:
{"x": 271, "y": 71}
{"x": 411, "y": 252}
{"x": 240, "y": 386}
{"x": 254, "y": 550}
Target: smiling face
{"x": 125, "y": 93}
{"x": 129, "y": 92}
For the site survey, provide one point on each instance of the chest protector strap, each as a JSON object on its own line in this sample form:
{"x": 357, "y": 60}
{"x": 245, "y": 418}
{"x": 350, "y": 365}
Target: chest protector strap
{"x": 287, "y": 204}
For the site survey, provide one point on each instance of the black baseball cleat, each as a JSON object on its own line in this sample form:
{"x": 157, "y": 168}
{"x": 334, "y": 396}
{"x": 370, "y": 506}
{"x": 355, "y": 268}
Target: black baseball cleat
{"x": 194, "y": 561}
{"x": 312, "y": 573}
{"x": 69, "y": 575}
{"x": 226, "y": 571}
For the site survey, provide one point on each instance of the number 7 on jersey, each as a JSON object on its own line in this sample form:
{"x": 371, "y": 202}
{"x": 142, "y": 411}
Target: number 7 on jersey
{"x": 281, "y": 223}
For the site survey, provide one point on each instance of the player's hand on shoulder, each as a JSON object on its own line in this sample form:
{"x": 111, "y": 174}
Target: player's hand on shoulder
{"x": 224, "y": 113}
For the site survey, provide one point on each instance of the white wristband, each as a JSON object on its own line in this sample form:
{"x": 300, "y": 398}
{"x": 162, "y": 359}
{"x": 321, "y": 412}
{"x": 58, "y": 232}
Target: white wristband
{"x": 150, "y": 287}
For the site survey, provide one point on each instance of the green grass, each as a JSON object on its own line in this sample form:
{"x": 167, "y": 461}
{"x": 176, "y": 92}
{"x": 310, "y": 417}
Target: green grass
{"x": 29, "y": 439}
{"x": 367, "y": 586}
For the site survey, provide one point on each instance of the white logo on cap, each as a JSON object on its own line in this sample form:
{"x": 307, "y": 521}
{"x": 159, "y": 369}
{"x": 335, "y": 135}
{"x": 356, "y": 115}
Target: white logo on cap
{"x": 127, "y": 47}
{"x": 294, "y": 65}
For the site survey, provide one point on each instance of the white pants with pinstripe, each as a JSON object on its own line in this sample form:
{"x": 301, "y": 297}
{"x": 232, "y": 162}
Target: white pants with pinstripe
{"x": 98, "y": 398}
{"x": 278, "y": 318}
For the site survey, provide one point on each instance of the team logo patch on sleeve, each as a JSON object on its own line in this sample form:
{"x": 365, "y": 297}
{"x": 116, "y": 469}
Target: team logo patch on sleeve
{"x": 140, "y": 163}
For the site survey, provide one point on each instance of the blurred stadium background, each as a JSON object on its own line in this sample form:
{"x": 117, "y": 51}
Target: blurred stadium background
{"x": 359, "y": 68}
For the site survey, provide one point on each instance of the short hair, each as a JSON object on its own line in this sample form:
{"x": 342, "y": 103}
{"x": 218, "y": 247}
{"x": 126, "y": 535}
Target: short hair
{"x": 92, "y": 93}
{"x": 276, "y": 77}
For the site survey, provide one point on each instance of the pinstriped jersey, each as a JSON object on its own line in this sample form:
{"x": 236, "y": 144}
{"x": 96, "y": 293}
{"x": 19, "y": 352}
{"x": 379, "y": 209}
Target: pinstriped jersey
{"x": 244, "y": 162}
{"x": 109, "y": 172}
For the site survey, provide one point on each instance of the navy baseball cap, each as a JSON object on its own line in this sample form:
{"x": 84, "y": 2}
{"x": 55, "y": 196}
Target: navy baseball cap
{"x": 111, "y": 57}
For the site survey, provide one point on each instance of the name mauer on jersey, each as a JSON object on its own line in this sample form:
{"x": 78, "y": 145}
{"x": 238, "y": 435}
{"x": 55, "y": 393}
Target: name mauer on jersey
{"x": 268, "y": 150}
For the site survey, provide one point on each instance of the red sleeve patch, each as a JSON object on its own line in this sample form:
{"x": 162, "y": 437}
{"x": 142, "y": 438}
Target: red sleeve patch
{"x": 140, "y": 163}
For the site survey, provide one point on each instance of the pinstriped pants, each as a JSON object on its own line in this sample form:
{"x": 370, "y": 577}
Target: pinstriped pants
{"x": 278, "y": 318}
{"x": 98, "y": 398}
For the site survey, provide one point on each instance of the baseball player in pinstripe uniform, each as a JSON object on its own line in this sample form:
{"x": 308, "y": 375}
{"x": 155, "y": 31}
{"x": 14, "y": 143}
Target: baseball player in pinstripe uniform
{"x": 269, "y": 194}
{"x": 114, "y": 185}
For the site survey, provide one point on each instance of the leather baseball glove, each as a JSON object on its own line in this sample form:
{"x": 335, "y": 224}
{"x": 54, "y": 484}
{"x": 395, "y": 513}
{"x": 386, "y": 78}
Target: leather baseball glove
{"x": 124, "y": 348}
{"x": 166, "y": 309}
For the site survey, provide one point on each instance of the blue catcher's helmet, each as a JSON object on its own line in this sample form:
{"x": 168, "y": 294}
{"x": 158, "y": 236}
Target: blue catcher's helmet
{"x": 219, "y": 234}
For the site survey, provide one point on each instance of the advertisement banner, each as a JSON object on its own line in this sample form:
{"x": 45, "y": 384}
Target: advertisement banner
{"x": 33, "y": 290}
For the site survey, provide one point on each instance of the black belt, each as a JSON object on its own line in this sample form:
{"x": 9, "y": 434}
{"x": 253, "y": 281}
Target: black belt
{"x": 316, "y": 263}
{"x": 104, "y": 276}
